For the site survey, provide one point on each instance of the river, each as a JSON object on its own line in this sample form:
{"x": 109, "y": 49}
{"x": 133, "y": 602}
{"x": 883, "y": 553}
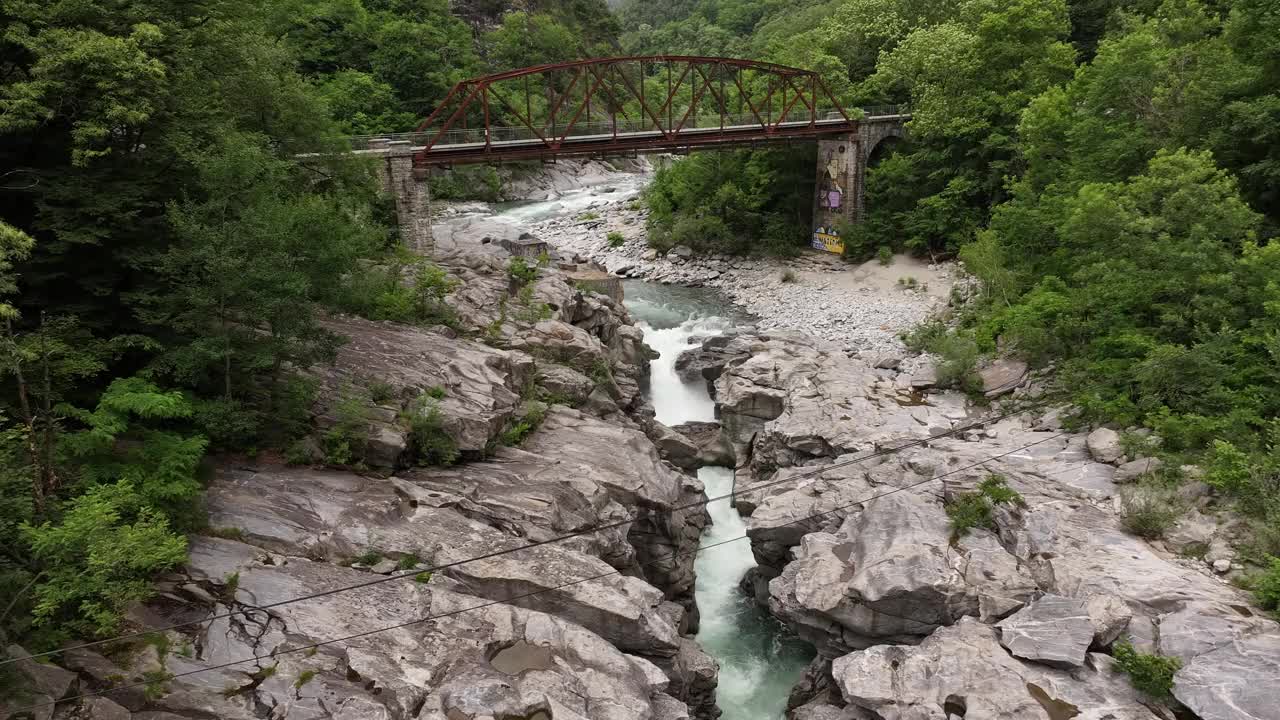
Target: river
{"x": 759, "y": 660}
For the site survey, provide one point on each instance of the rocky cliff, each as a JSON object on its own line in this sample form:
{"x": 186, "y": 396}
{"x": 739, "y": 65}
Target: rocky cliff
{"x": 1013, "y": 620}
{"x": 594, "y": 628}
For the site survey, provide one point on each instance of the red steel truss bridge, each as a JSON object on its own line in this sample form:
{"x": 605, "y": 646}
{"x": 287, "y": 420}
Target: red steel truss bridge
{"x": 627, "y": 105}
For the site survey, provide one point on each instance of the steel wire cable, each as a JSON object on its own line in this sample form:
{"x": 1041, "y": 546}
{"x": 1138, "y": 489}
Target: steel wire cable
{"x": 549, "y": 541}
{"x": 513, "y": 598}
{"x": 540, "y": 543}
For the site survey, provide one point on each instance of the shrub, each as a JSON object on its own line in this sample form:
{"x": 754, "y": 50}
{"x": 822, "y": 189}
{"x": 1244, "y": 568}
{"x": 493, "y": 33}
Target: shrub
{"x": 788, "y": 276}
{"x": 1152, "y": 674}
{"x": 589, "y": 216}
{"x": 422, "y": 577}
{"x": 615, "y": 239}
{"x": 381, "y": 392}
{"x": 1266, "y": 586}
{"x": 529, "y": 311}
{"x": 975, "y": 509}
{"x": 885, "y": 255}
{"x": 517, "y": 431}
{"x": 369, "y": 557}
{"x": 408, "y": 562}
{"x": 521, "y": 271}
{"x": 1148, "y": 512}
{"x": 344, "y": 442}
{"x": 432, "y": 445}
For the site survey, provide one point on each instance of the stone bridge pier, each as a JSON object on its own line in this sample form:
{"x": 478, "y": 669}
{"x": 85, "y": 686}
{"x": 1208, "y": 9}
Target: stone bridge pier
{"x": 840, "y": 192}
{"x": 412, "y": 195}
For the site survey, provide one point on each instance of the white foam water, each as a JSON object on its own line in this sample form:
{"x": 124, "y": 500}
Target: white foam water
{"x": 759, "y": 662}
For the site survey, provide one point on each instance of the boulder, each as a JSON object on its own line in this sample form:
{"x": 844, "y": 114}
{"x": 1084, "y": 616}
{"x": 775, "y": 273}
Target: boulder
{"x": 673, "y": 447}
{"x": 1104, "y": 445}
{"x": 1002, "y": 377}
{"x": 924, "y": 378}
{"x": 333, "y": 515}
{"x": 479, "y": 385}
{"x": 713, "y": 448}
{"x": 472, "y": 657}
{"x": 1110, "y": 617}
{"x": 564, "y": 383}
{"x": 1052, "y": 630}
{"x": 1235, "y": 681}
{"x": 684, "y": 252}
{"x": 37, "y": 683}
{"x": 1136, "y": 469}
{"x": 575, "y": 472}
{"x": 1192, "y": 531}
{"x": 961, "y": 671}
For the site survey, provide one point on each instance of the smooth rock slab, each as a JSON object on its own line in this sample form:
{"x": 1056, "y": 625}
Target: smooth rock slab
{"x": 1052, "y": 630}
{"x": 1238, "y": 681}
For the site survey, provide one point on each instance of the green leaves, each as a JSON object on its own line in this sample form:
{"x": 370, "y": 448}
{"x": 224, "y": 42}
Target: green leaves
{"x": 100, "y": 557}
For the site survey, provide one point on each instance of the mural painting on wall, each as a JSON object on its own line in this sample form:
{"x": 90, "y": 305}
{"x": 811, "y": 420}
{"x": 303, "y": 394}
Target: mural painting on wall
{"x": 828, "y": 239}
{"x": 831, "y": 193}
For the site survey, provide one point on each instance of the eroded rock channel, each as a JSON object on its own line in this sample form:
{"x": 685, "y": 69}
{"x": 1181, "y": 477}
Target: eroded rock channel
{"x": 852, "y": 598}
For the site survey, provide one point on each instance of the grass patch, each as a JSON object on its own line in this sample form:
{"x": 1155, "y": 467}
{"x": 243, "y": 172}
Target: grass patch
{"x": 788, "y": 276}
{"x": 370, "y": 557}
{"x": 304, "y": 677}
{"x": 226, "y": 533}
{"x": 1152, "y": 674}
{"x": 615, "y": 239}
{"x": 976, "y": 509}
{"x": 885, "y": 255}
{"x": 422, "y": 577}
{"x": 381, "y": 391}
{"x": 589, "y": 216}
{"x": 1149, "y": 512}
{"x": 517, "y": 431}
{"x": 408, "y": 562}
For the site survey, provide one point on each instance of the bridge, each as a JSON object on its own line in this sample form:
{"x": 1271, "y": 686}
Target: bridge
{"x": 625, "y": 106}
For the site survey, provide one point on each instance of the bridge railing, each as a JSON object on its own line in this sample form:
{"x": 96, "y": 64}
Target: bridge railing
{"x": 606, "y": 129}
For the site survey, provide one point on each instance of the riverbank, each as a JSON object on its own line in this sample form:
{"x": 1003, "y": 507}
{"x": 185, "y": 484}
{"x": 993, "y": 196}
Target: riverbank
{"x": 862, "y": 308}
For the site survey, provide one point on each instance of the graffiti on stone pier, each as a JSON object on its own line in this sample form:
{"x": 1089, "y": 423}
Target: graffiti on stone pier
{"x": 827, "y": 239}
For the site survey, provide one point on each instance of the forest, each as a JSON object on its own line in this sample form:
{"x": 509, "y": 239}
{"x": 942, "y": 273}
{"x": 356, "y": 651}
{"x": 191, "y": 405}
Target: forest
{"x": 1108, "y": 169}
{"x": 161, "y": 275}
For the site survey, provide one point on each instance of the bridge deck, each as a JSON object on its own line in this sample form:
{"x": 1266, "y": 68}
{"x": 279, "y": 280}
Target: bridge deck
{"x": 524, "y": 148}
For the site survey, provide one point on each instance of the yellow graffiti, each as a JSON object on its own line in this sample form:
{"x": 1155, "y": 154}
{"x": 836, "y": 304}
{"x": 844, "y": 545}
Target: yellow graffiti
{"x": 827, "y": 240}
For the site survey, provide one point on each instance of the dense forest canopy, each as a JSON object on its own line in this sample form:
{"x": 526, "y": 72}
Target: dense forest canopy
{"x": 165, "y": 258}
{"x": 1109, "y": 169}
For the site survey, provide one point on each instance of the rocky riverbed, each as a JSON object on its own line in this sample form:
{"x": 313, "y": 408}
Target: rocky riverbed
{"x": 863, "y": 308}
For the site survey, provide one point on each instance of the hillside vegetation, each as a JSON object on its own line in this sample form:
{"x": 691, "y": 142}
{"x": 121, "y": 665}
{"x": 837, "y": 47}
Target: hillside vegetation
{"x": 165, "y": 258}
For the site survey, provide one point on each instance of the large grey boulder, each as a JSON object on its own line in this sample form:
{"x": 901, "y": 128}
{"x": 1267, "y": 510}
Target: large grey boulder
{"x": 479, "y": 385}
{"x": 467, "y": 655}
{"x": 575, "y": 472}
{"x": 1137, "y": 469}
{"x": 1104, "y": 445}
{"x": 1053, "y": 630}
{"x": 674, "y": 447}
{"x": 36, "y": 683}
{"x": 961, "y": 671}
{"x": 1234, "y": 681}
{"x": 792, "y": 399}
{"x": 1002, "y": 377}
{"x": 713, "y": 448}
{"x": 336, "y": 516}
